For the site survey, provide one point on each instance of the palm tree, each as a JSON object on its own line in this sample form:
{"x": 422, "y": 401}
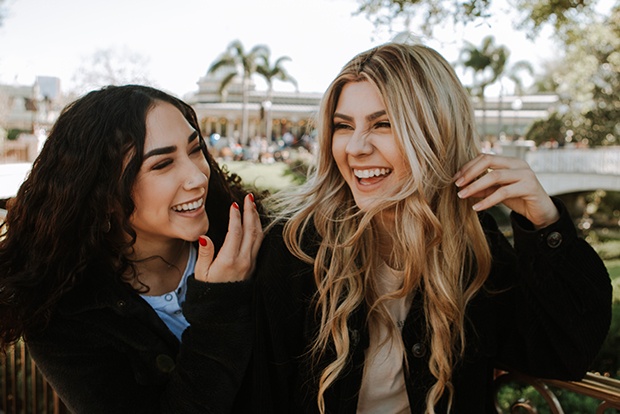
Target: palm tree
{"x": 487, "y": 63}
{"x": 269, "y": 72}
{"x": 237, "y": 63}
{"x": 513, "y": 73}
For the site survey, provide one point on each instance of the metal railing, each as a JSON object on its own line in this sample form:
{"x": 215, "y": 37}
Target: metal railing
{"x": 24, "y": 389}
{"x": 605, "y": 390}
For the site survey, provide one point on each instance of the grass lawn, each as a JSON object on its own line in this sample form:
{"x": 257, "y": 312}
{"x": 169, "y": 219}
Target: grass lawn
{"x": 263, "y": 176}
{"x": 613, "y": 267}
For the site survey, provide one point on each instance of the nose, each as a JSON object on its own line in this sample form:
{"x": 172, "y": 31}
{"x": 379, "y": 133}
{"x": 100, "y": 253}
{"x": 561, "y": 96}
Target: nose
{"x": 195, "y": 177}
{"x": 359, "y": 144}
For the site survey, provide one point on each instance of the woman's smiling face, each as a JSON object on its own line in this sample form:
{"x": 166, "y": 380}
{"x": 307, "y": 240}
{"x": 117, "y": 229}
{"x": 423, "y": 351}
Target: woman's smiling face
{"x": 364, "y": 146}
{"x": 170, "y": 190}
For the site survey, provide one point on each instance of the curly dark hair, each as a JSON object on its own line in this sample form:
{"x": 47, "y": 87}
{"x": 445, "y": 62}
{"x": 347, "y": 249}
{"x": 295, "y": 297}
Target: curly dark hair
{"x": 72, "y": 212}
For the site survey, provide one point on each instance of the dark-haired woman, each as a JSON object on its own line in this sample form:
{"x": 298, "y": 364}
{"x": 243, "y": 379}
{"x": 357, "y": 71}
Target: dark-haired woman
{"x": 105, "y": 269}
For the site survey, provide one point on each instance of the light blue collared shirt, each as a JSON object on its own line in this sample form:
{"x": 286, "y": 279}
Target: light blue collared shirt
{"x": 168, "y": 305}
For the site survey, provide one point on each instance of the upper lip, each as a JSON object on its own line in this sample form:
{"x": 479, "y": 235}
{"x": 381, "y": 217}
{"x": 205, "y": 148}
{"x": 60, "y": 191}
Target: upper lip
{"x": 184, "y": 205}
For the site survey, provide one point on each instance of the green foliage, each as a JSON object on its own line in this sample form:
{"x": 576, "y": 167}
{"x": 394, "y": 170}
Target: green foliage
{"x": 297, "y": 170}
{"x": 571, "y": 402}
{"x": 534, "y": 14}
{"x": 12, "y": 134}
{"x": 589, "y": 90}
{"x": 488, "y": 63}
{"x": 608, "y": 359}
{"x": 548, "y": 129}
{"x": 559, "y": 13}
{"x": 234, "y": 63}
{"x": 273, "y": 71}
{"x": 608, "y": 250}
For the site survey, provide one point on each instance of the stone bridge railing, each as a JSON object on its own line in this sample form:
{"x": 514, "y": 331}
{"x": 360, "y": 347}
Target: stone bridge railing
{"x": 599, "y": 161}
{"x": 562, "y": 171}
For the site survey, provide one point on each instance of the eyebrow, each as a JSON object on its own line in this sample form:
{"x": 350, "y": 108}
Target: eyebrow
{"x": 370, "y": 117}
{"x": 169, "y": 149}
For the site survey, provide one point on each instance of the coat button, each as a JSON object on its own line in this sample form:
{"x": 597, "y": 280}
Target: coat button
{"x": 164, "y": 363}
{"x": 418, "y": 350}
{"x": 120, "y": 303}
{"x": 554, "y": 239}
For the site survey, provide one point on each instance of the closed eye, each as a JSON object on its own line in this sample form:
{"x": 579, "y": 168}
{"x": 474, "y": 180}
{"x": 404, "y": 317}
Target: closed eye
{"x": 341, "y": 126}
{"x": 196, "y": 149}
{"x": 383, "y": 124}
{"x": 161, "y": 165}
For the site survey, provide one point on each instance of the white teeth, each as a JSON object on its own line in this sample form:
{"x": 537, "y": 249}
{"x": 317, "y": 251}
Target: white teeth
{"x": 371, "y": 173}
{"x": 188, "y": 206}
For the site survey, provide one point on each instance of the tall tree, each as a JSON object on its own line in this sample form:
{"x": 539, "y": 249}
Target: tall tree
{"x": 514, "y": 74}
{"x": 488, "y": 63}
{"x": 236, "y": 62}
{"x": 110, "y": 66}
{"x": 586, "y": 77}
{"x": 270, "y": 73}
{"x": 533, "y": 14}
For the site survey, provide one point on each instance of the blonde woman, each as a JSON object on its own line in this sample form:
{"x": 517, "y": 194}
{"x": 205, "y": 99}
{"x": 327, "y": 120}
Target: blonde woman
{"x": 385, "y": 287}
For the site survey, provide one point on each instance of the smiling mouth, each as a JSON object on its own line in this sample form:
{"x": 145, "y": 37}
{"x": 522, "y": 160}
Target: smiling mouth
{"x": 188, "y": 206}
{"x": 374, "y": 172}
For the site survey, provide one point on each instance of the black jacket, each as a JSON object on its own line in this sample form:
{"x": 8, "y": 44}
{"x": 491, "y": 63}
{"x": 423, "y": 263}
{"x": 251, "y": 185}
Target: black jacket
{"x": 544, "y": 310}
{"x": 106, "y": 350}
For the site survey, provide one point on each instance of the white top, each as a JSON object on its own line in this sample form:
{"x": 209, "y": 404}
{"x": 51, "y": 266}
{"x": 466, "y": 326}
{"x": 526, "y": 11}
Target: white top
{"x": 383, "y": 387}
{"x": 168, "y": 305}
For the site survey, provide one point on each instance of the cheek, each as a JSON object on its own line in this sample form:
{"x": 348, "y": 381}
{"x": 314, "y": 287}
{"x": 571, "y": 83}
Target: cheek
{"x": 154, "y": 192}
{"x": 203, "y": 166}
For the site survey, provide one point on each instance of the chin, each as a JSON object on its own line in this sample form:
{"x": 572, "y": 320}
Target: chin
{"x": 364, "y": 204}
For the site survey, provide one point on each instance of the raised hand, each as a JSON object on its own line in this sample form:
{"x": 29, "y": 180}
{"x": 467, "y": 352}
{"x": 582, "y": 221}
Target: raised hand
{"x": 495, "y": 179}
{"x": 236, "y": 259}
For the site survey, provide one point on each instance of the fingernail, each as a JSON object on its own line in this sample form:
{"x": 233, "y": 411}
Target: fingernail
{"x": 251, "y": 197}
{"x": 462, "y": 193}
{"x": 202, "y": 240}
{"x": 459, "y": 182}
{"x": 476, "y": 207}
{"x": 235, "y": 205}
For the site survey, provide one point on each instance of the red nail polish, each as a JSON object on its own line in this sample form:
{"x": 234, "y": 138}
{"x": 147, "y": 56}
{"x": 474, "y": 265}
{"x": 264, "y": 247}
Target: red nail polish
{"x": 235, "y": 205}
{"x": 202, "y": 240}
{"x": 251, "y": 197}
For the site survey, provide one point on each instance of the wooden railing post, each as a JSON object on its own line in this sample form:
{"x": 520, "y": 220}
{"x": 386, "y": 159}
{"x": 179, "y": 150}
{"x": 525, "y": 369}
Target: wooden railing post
{"x": 24, "y": 389}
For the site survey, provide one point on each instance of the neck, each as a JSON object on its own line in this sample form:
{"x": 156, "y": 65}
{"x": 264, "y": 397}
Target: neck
{"x": 159, "y": 266}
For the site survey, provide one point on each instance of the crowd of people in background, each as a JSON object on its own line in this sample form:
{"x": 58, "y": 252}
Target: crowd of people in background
{"x": 260, "y": 149}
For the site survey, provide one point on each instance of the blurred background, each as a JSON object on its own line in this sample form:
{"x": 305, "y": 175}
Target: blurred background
{"x": 544, "y": 78}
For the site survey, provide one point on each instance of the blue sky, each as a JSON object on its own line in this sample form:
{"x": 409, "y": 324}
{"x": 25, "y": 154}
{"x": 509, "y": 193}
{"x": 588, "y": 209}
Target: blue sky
{"x": 180, "y": 39}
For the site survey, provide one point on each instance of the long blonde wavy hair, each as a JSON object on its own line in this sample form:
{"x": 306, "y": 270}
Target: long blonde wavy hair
{"x": 438, "y": 239}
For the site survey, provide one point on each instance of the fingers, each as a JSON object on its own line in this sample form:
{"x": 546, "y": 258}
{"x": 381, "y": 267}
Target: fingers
{"x": 236, "y": 259}
{"x": 206, "y": 250}
{"x": 499, "y": 185}
{"x": 252, "y": 229}
{"x": 483, "y": 164}
{"x": 493, "y": 179}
